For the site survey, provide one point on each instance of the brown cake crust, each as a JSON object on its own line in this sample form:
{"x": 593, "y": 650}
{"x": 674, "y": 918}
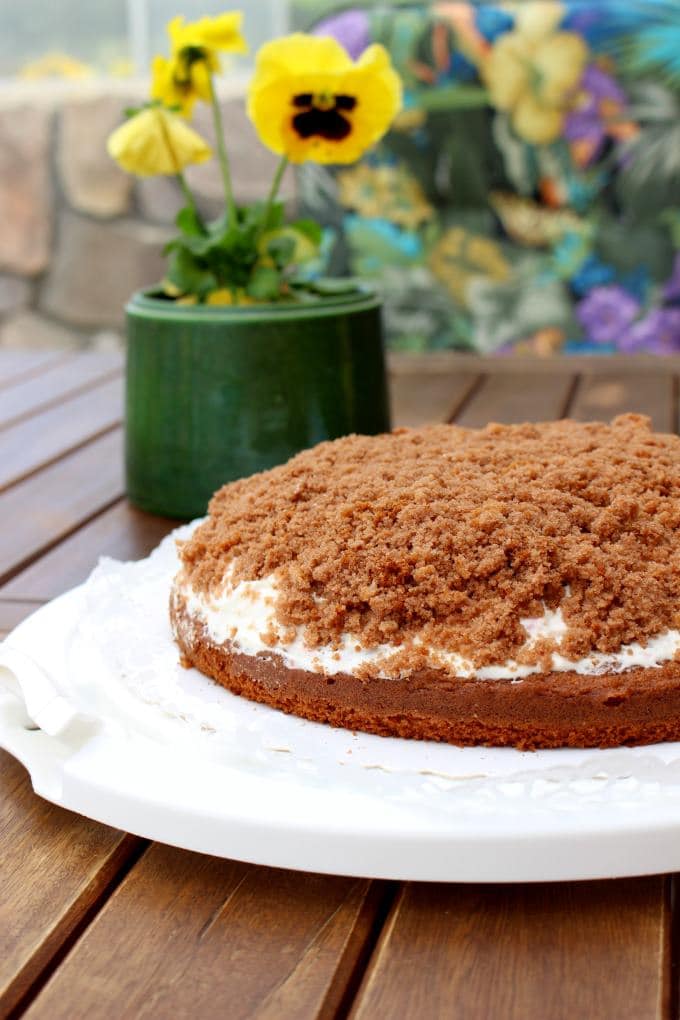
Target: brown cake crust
{"x": 637, "y": 706}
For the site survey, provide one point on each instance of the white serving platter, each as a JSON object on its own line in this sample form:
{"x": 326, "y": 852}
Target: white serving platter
{"x": 95, "y": 705}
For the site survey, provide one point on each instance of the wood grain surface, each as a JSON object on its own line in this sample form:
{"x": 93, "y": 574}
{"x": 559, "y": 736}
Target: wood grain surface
{"x": 46, "y": 506}
{"x": 122, "y": 532}
{"x": 61, "y": 379}
{"x": 55, "y": 866}
{"x": 590, "y": 950}
{"x": 603, "y": 396}
{"x": 530, "y": 397}
{"x": 426, "y": 398}
{"x": 18, "y": 365}
{"x": 96, "y": 924}
{"x": 47, "y": 435}
{"x": 216, "y": 938}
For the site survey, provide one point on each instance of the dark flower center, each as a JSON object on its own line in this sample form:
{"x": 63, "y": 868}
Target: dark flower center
{"x": 323, "y": 116}
{"x": 189, "y": 56}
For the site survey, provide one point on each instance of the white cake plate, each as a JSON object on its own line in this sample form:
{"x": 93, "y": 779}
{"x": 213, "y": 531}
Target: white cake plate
{"x": 94, "y": 704}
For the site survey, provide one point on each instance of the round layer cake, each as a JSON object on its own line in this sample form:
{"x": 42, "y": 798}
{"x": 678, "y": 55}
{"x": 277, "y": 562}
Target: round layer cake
{"x": 514, "y": 585}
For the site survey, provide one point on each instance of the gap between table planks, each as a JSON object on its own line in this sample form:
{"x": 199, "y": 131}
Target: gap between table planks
{"x": 306, "y": 956}
{"x": 590, "y": 950}
{"x": 48, "y": 434}
{"x": 57, "y": 381}
{"x": 17, "y": 365}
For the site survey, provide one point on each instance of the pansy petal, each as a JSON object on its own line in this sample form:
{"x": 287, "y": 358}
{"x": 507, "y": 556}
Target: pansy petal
{"x": 200, "y": 79}
{"x": 176, "y": 29}
{"x": 165, "y": 89}
{"x": 221, "y": 33}
{"x": 301, "y": 54}
{"x": 506, "y": 71}
{"x": 536, "y": 123}
{"x": 161, "y": 79}
{"x": 559, "y": 62}
{"x": 155, "y": 141}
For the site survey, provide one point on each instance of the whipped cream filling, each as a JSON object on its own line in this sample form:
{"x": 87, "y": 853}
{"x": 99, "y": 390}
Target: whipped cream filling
{"x": 243, "y": 613}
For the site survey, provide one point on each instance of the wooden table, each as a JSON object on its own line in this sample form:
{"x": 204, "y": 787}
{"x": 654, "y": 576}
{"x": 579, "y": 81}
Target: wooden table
{"x": 97, "y": 923}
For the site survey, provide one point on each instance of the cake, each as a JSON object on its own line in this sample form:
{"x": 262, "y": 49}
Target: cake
{"x": 514, "y": 585}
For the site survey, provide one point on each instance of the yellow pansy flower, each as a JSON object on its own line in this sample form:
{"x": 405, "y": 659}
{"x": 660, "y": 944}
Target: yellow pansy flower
{"x": 177, "y": 86}
{"x": 222, "y": 33}
{"x": 155, "y": 141}
{"x": 185, "y": 77}
{"x": 532, "y": 72}
{"x": 310, "y": 101}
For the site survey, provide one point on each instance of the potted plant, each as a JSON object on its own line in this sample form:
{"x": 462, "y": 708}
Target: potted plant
{"x": 242, "y": 355}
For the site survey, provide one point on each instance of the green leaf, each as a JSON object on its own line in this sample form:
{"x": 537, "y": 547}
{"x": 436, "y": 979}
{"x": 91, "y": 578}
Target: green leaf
{"x": 264, "y": 284}
{"x": 276, "y": 216}
{"x": 258, "y": 217}
{"x": 281, "y": 249}
{"x": 648, "y": 182}
{"x": 627, "y": 245}
{"x": 309, "y": 229}
{"x": 514, "y": 309}
{"x": 198, "y": 245}
{"x": 187, "y": 273}
{"x": 190, "y": 223}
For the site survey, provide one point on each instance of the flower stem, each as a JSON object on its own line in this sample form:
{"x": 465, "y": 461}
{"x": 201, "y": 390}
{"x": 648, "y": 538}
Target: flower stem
{"x": 181, "y": 179}
{"x": 222, "y": 152}
{"x": 274, "y": 190}
{"x": 186, "y": 191}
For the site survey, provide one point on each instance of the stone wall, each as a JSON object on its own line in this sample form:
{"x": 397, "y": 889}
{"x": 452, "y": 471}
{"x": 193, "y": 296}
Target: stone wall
{"x": 78, "y": 235}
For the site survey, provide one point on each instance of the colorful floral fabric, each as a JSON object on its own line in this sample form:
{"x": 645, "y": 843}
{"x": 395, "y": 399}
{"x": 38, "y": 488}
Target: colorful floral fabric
{"x": 528, "y": 196}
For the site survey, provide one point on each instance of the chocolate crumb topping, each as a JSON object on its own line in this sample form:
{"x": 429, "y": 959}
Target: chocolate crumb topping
{"x": 454, "y": 535}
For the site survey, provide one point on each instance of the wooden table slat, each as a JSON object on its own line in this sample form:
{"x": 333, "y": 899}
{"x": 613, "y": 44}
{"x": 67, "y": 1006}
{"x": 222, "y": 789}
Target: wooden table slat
{"x": 20, "y": 364}
{"x": 55, "y": 868}
{"x": 57, "y": 382}
{"x": 401, "y": 363}
{"x": 603, "y": 396}
{"x": 186, "y": 935}
{"x": 30, "y": 444}
{"x": 599, "y": 950}
{"x": 428, "y": 397}
{"x": 121, "y": 532}
{"x": 511, "y": 400}
{"x": 12, "y": 612}
{"x": 48, "y": 505}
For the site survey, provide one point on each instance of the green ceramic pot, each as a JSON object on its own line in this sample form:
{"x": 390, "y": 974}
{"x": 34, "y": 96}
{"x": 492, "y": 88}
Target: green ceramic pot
{"x": 218, "y": 393}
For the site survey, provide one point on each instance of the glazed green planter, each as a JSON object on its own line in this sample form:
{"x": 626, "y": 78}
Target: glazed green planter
{"x": 218, "y": 393}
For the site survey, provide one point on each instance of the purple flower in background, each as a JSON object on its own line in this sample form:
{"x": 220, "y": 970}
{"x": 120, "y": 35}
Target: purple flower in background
{"x": 671, "y": 291}
{"x": 606, "y": 313}
{"x": 657, "y": 333}
{"x": 598, "y": 115}
{"x": 351, "y": 28}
